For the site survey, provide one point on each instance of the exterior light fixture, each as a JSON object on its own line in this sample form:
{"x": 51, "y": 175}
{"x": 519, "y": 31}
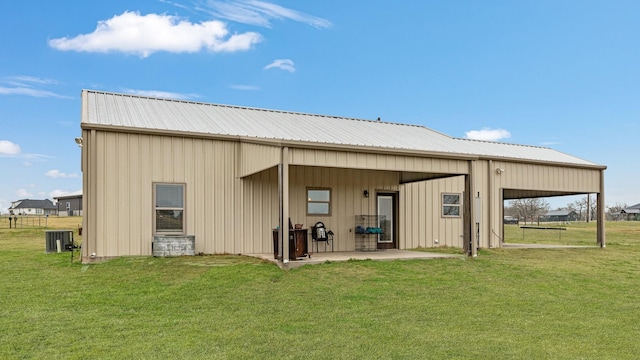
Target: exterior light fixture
{"x": 499, "y": 170}
{"x": 365, "y": 193}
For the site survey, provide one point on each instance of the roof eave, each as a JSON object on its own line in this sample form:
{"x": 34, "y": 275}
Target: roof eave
{"x": 279, "y": 142}
{"x": 543, "y": 162}
{"x": 318, "y": 145}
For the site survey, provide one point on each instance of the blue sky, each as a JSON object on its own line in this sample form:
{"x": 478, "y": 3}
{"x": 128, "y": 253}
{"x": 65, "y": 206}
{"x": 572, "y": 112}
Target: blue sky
{"x": 563, "y": 74}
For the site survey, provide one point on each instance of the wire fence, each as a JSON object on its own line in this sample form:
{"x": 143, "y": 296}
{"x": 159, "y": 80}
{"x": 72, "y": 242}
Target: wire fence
{"x": 23, "y": 221}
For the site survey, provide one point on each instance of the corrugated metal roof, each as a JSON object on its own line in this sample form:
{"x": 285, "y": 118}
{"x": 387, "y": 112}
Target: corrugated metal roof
{"x": 121, "y": 110}
{"x": 559, "y": 213}
{"x": 33, "y": 204}
{"x": 70, "y": 195}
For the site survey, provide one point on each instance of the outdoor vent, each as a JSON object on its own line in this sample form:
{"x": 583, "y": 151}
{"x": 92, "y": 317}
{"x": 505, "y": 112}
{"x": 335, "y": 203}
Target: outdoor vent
{"x": 65, "y": 237}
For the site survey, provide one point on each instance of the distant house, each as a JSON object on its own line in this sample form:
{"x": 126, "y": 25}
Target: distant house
{"x": 70, "y": 204}
{"x": 632, "y": 212}
{"x": 560, "y": 215}
{"x": 32, "y": 207}
{"x": 510, "y": 220}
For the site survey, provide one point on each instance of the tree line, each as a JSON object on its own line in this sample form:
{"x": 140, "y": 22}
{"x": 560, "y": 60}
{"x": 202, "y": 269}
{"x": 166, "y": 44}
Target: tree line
{"x": 531, "y": 209}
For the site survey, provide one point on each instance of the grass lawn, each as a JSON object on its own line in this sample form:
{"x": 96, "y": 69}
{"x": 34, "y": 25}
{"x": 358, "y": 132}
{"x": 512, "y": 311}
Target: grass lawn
{"x": 505, "y": 304}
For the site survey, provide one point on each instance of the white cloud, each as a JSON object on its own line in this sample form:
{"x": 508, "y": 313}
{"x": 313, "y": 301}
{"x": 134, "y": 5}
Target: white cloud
{"x": 56, "y": 174}
{"x": 23, "y": 193}
{"x": 24, "y": 85}
{"x": 245, "y": 87}
{"x": 9, "y": 148}
{"x": 28, "y": 92}
{"x": 37, "y": 157}
{"x": 161, "y": 94}
{"x": 143, "y": 35}
{"x": 260, "y": 13}
{"x": 22, "y": 79}
{"x": 487, "y": 134}
{"x": 284, "y": 64}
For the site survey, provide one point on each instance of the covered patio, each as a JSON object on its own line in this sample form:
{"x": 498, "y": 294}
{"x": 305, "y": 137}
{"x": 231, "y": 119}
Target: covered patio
{"x": 379, "y": 255}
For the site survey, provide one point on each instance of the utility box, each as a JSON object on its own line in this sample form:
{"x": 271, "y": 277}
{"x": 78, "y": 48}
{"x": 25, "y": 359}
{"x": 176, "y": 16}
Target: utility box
{"x": 174, "y": 245}
{"x": 58, "y": 238}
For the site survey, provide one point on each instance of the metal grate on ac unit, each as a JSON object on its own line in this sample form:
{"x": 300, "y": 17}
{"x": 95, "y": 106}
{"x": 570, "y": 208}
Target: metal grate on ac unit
{"x": 58, "y": 240}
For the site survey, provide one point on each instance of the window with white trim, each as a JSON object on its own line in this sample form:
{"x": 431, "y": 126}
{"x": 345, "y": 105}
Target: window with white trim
{"x": 318, "y": 201}
{"x": 450, "y": 205}
{"x": 169, "y": 208}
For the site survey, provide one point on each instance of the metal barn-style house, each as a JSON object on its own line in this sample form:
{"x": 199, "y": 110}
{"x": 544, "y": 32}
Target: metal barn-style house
{"x": 222, "y": 178}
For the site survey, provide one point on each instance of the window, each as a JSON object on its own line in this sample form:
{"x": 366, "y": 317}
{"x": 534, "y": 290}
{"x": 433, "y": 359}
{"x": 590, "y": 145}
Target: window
{"x": 318, "y": 201}
{"x": 169, "y": 208}
{"x": 451, "y": 205}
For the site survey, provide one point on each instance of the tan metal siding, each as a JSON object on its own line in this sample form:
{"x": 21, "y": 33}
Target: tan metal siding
{"x": 260, "y": 210}
{"x": 360, "y": 160}
{"x": 256, "y": 157}
{"x": 421, "y": 221}
{"x": 127, "y": 165}
{"x": 547, "y": 177}
{"x": 490, "y": 195}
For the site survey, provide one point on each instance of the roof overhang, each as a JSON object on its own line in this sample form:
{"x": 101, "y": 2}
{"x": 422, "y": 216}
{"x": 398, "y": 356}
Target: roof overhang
{"x": 326, "y": 146}
{"x": 279, "y": 142}
{"x": 513, "y": 194}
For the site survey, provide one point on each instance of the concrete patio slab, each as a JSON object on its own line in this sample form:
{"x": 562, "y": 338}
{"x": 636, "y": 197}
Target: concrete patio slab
{"x": 391, "y": 254}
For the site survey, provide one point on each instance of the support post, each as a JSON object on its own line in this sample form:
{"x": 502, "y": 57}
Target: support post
{"x": 601, "y": 213}
{"x": 283, "y": 189}
{"x": 468, "y": 231}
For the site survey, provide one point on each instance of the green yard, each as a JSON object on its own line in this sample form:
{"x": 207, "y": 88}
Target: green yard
{"x": 505, "y": 304}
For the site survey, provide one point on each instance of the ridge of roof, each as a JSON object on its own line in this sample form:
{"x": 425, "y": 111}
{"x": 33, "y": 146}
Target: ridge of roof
{"x": 505, "y": 143}
{"x": 241, "y": 107}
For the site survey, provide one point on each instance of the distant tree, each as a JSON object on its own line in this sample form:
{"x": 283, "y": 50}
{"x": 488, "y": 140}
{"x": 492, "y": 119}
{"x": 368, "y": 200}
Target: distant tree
{"x": 586, "y": 207}
{"x": 580, "y": 205}
{"x": 614, "y": 210}
{"x": 529, "y": 209}
{"x": 593, "y": 207}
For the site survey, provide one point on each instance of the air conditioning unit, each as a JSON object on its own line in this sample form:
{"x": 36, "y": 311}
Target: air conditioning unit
{"x": 65, "y": 237}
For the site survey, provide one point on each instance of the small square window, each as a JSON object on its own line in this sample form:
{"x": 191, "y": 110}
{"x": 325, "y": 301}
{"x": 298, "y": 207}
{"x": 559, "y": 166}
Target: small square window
{"x": 318, "y": 201}
{"x": 169, "y": 208}
{"x": 451, "y": 205}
